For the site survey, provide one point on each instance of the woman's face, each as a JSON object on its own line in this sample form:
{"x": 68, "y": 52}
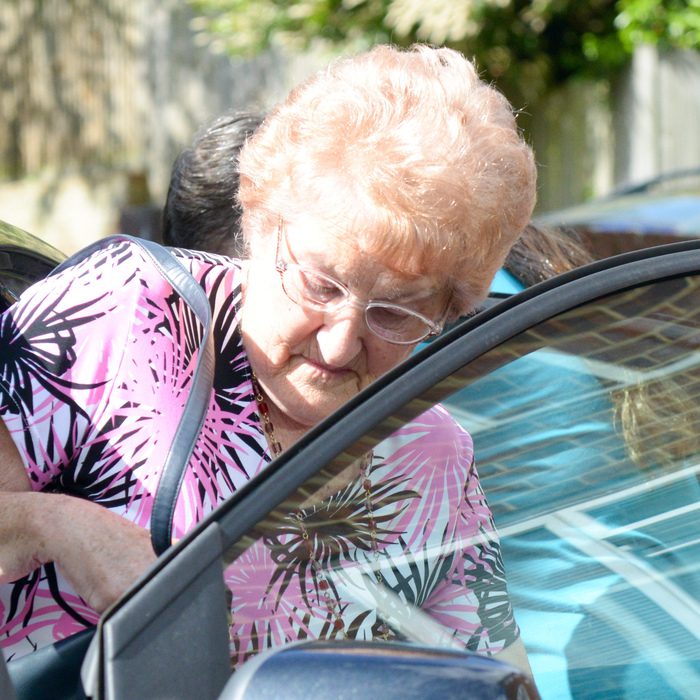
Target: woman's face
{"x": 310, "y": 362}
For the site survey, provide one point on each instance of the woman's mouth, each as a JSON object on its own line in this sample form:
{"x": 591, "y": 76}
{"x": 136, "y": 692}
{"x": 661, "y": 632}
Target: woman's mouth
{"x": 328, "y": 372}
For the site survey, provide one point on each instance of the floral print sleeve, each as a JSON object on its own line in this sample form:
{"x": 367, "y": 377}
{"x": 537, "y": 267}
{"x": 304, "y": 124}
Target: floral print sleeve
{"x": 472, "y": 599}
{"x": 85, "y": 354}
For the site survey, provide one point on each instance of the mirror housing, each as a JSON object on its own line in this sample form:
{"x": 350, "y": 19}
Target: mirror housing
{"x": 340, "y": 670}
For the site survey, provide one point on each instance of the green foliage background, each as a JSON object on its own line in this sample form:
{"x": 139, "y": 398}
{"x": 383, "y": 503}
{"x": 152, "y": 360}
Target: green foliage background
{"x": 526, "y": 48}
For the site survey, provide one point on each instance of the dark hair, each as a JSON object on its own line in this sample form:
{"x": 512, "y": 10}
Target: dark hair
{"x": 201, "y": 209}
{"x": 541, "y": 253}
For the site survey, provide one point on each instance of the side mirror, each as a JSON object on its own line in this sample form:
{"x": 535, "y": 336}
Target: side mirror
{"x": 388, "y": 671}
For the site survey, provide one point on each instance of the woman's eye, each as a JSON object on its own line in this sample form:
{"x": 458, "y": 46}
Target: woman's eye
{"x": 391, "y": 318}
{"x": 320, "y": 288}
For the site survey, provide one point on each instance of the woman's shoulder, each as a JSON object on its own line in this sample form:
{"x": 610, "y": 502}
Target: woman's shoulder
{"x": 202, "y": 260}
{"x": 218, "y": 274}
{"x": 131, "y": 267}
{"x": 110, "y": 274}
{"x": 125, "y": 256}
{"x": 220, "y": 277}
{"x": 120, "y": 274}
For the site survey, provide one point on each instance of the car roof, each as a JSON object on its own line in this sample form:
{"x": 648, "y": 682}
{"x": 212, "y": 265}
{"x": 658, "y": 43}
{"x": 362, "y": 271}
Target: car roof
{"x": 654, "y": 212}
{"x": 661, "y": 213}
{"x": 13, "y": 237}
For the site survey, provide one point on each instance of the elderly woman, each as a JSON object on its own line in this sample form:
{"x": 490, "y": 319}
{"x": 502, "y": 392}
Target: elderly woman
{"x": 379, "y": 200}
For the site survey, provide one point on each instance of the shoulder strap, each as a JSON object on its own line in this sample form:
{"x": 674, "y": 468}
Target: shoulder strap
{"x": 202, "y": 380}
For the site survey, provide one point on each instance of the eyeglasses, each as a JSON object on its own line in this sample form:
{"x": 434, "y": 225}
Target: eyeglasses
{"x": 317, "y": 291}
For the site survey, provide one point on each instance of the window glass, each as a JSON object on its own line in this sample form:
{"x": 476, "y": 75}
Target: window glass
{"x": 585, "y": 431}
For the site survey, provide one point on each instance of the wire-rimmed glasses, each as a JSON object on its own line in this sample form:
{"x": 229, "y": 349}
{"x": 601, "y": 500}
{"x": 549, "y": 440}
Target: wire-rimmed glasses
{"x": 318, "y": 291}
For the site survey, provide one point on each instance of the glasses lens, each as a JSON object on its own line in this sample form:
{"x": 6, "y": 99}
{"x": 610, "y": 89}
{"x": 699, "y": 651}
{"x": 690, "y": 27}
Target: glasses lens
{"x": 311, "y": 288}
{"x": 397, "y": 325}
{"x": 314, "y": 290}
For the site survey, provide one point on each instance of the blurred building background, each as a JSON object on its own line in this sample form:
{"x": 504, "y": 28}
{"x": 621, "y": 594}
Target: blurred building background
{"x": 98, "y": 96}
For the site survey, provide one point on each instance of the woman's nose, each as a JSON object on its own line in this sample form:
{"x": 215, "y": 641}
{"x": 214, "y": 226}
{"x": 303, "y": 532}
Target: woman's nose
{"x": 340, "y": 337}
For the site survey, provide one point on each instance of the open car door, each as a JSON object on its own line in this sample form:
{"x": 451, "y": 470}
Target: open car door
{"x": 582, "y": 396}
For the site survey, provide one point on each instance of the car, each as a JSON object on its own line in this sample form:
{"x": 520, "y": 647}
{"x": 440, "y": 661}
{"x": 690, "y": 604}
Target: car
{"x": 581, "y": 394}
{"x": 24, "y": 259}
{"x": 660, "y": 210}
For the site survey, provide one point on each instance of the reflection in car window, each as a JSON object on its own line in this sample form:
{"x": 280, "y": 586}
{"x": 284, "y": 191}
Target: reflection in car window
{"x": 407, "y": 523}
{"x": 585, "y": 431}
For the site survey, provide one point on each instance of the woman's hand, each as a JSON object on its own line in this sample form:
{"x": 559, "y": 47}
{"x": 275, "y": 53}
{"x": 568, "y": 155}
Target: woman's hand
{"x": 18, "y": 551}
{"x": 18, "y": 555}
{"x": 100, "y": 553}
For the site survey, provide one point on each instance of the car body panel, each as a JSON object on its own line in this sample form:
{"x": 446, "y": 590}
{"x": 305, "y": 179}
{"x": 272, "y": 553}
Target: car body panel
{"x": 663, "y": 210}
{"x": 24, "y": 259}
{"x": 389, "y": 671}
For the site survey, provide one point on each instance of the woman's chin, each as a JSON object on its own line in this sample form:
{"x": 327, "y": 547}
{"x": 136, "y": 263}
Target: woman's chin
{"x": 305, "y": 400}
{"x": 319, "y": 408}
{"x": 309, "y": 409}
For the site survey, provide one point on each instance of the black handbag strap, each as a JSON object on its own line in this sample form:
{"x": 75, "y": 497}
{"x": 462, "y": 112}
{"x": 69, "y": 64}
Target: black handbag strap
{"x": 198, "y": 398}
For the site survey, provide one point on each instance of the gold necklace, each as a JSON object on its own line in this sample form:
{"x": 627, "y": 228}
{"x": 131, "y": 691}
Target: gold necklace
{"x": 330, "y": 595}
{"x": 264, "y": 411}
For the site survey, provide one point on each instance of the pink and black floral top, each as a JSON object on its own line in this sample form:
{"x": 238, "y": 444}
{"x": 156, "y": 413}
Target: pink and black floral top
{"x": 95, "y": 365}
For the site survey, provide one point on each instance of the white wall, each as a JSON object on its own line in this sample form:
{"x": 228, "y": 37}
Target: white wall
{"x": 657, "y": 115}
{"x": 593, "y": 137}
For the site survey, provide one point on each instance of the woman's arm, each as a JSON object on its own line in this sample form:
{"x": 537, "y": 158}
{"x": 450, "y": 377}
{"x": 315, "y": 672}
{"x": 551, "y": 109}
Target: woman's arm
{"x": 100, "y": 553}
{"x": 13, "y": 476}
{"x": 66, "y": 344}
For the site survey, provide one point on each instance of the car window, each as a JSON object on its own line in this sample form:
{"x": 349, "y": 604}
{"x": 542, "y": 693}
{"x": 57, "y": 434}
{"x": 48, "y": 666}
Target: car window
{"x": 582, "y": 403}
{"x": 586, "y": 435}
{"x": 592, "y": 476}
